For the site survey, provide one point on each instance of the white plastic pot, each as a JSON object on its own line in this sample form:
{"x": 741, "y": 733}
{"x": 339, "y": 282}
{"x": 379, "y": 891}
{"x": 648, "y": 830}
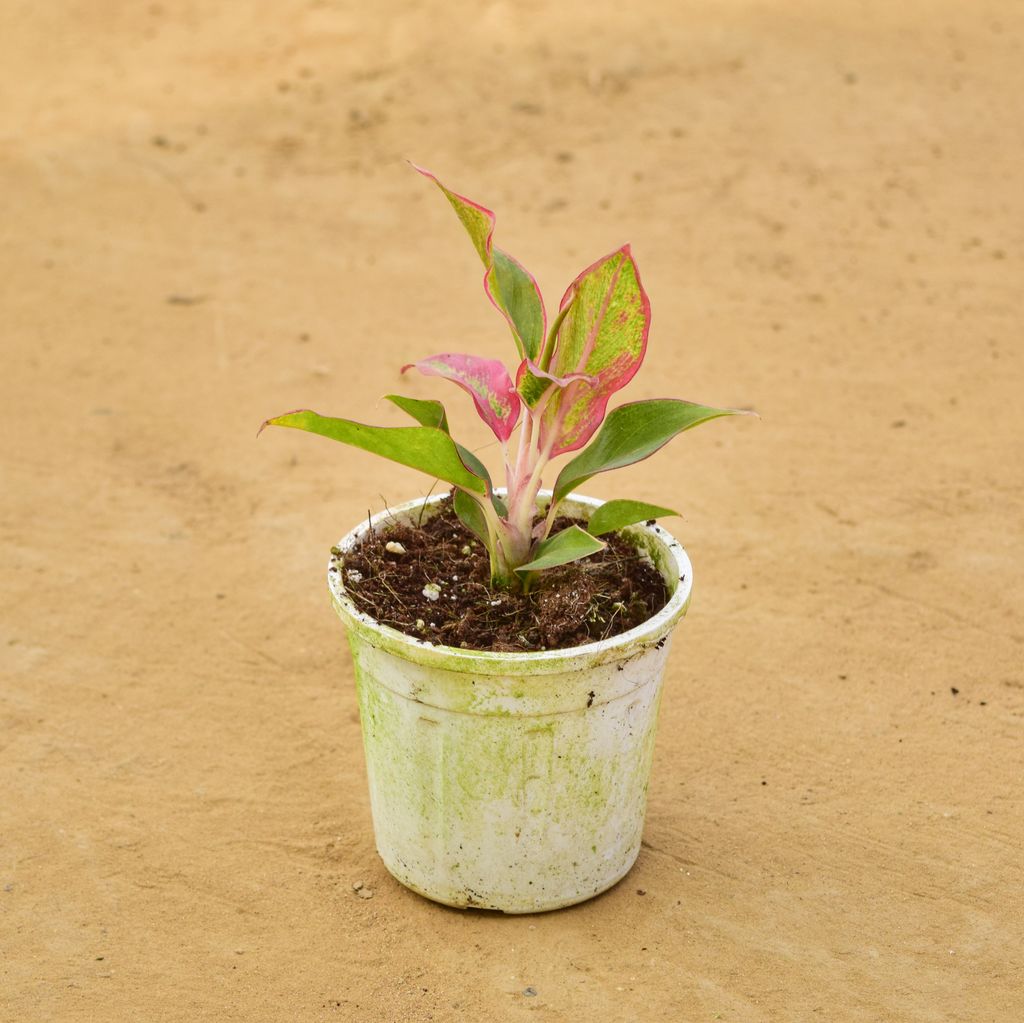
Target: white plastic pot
{"x": 510, "y": 781}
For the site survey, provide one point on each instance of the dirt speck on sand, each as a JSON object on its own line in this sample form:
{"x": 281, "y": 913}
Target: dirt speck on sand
{"x": 824, "y": 203}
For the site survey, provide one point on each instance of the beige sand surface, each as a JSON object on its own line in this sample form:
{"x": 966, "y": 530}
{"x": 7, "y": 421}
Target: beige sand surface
{"x": 207, "y": 220}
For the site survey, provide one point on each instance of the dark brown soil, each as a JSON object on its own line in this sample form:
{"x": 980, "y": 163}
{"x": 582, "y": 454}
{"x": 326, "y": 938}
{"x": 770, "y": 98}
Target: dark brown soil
{"x": 603, "y": 595}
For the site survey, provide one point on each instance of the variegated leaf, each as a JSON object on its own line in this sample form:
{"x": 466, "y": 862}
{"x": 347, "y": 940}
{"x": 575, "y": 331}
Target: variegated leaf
{"x": 532, "y": 382}
{"x": 485, "y": 380}
{"x": 511, "y": 288}
{"x": 604, "y": 336}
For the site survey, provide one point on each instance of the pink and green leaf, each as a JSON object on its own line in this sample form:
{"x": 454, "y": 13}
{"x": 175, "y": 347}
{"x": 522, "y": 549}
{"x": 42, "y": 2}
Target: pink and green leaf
{"x": 511, "y": 288}
{"x": 604, "y": 336}
{"x": 533, "y": 383}
{"x": 420, "y": 447}
{"x": 630, "y": 434}
{"x": 476, "y": 219}
{"x": 485, "y": 380}
{"x": 529, "y": 368}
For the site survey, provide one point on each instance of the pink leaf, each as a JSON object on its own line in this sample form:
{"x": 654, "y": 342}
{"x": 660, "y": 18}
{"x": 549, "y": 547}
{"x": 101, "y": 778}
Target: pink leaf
{"x": 603, "y": 336}
{"x": 485, "y": 380}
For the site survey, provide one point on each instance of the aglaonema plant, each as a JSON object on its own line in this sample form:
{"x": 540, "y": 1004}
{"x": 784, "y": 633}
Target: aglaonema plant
{"x": 565, "y": 375}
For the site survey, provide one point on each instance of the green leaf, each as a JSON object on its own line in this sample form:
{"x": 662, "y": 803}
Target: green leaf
{"x": 630, "y": 434}
{"x": 514, "y": 291}
{"x": 473, "y": 464}
{"x": 420, "y": 447}
{"x": 615, "y": 514}
{"x": 471, "y": 515}
{"x": 426, "y": 413}
{"x": 569, "y": 545}
{"x": 432, "y": 413}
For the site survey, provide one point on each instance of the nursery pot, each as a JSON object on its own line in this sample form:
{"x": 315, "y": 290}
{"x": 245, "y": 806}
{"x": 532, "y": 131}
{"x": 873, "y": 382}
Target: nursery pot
{"x": 510, "y": 781}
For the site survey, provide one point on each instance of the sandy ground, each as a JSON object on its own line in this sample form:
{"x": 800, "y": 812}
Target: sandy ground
{"x": 207, "y": 220}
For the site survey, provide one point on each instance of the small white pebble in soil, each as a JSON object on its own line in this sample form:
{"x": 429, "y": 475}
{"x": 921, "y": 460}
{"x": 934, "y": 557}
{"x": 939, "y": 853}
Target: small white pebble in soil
{"x": 495, "y": 603}
{"x": 455, "y": 578}
{"x": 466, "y": 550}
{"x": 394, "y": 547}
{"x": 431, "y": 591}
{"x": 354, "y": 575}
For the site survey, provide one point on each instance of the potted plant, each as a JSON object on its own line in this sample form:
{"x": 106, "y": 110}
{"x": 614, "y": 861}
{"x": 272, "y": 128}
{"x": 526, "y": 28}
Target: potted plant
{"x": 502, "y": 777}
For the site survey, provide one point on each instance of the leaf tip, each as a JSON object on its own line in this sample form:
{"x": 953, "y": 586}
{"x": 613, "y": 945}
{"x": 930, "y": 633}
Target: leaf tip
{"x": 276, "y": 420}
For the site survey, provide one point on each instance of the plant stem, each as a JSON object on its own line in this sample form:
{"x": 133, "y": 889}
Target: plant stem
{"x": 525, "y": 438}
{"x": 543, "y": 457}
{"x": 512, "y": 538}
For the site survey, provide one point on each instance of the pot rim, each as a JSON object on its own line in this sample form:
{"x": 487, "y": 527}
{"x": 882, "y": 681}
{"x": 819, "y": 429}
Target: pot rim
{"x": 494, "y": 662}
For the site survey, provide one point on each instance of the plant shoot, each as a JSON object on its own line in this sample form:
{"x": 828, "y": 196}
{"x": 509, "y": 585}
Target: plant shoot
{"x": 565, "y": 375}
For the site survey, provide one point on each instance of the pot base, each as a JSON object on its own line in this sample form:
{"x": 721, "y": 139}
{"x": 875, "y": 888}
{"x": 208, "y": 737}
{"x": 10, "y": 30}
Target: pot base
{"x": 473, "y": 902}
